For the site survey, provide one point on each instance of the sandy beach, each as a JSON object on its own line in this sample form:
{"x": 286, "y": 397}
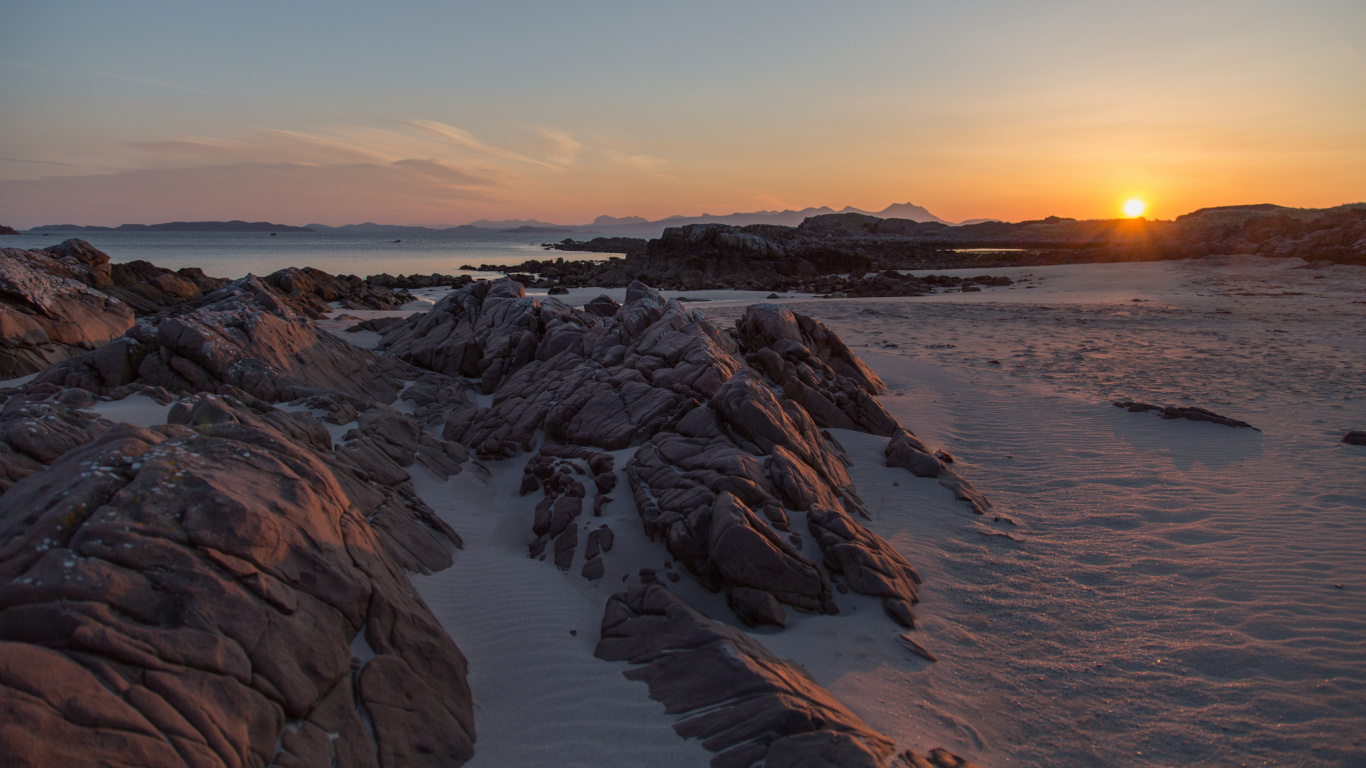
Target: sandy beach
{"x": 1143, "y": 592}
{"x": 1170, "y": 591}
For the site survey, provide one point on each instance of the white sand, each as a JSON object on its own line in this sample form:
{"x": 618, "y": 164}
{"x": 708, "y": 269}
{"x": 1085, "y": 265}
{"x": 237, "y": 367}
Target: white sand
{"x": 1169, "y": 597}
{"x": 140, "y": 410}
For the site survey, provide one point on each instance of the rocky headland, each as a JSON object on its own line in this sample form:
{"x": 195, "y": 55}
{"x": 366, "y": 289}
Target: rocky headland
{"x": 229, "y": 586}
{"x": 772, "y": 257}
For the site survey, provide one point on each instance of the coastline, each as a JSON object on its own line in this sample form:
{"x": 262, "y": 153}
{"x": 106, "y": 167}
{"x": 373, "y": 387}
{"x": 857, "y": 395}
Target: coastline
{"x": 1175, "y": 550}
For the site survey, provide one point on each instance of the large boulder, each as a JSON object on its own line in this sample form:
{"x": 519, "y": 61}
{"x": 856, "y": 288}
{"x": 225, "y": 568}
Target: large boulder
{"x": 47, "y": 315}
{"x": 196, "y": 596}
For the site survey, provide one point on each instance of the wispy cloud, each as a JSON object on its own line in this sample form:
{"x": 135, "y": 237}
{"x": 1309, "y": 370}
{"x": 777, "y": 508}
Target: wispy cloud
{"x": 461, "y": 138}
{"x": 562, "y": 148}
{"x": 655, "y": 166}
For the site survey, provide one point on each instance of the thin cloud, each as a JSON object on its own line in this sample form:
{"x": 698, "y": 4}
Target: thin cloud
{"x": 461, "y": 138}
{"x": 656, "y": 166}
{"x": 563, "y": 148}
{"x": 449, "y": 173}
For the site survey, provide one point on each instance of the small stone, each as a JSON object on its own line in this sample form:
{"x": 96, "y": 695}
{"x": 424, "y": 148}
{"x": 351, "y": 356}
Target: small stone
{"x": 593, "y": 569}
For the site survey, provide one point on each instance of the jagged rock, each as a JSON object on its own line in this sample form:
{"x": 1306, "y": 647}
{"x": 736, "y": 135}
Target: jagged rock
{"x": 906, "y": 451}
{"x": 311, "y": 291}
{"x": 46, "y": 315}
{"x": 755, "y": 606}
{"x": 593, "y": 569}
{"x": 1354, "y": 438}
{"x": 602, "y": 306}
{"x": 101, "y": 660}
{"x": 742, "y": 701}
{"x": 149, "y": 289}
{"x": 565, "y": 544}
{"x": 242, "y": 336}
{"x": 718, "y": 441}
{"x": 373, "y": 324}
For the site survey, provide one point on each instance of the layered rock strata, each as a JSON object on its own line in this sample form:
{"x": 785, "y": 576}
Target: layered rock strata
{"x": 221, "y": 595}
{"x": 730, "y": 692}
{"x": 744, "y": 703}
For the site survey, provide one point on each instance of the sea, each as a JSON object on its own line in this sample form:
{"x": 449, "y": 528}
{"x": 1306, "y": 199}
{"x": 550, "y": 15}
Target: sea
{"x": 237, "y": 254}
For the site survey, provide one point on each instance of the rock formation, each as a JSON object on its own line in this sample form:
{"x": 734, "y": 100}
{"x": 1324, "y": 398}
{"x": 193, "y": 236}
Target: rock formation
{"x": 47, "y": 315}
{"x": 229, "y": 588}
{"x": 742, "y": 701}
{"x": 242, "y": 337}
{"x": 198, "y": 596}
{"x": 1190, "y": 413}
{"x": 311, "y": 291}
{"x": 729, "y": 425}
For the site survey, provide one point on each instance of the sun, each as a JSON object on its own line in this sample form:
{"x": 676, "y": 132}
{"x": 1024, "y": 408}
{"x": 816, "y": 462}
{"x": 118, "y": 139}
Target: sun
{"x": 1135, "y": 208}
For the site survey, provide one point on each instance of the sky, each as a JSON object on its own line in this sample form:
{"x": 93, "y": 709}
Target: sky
{"x": 441, "y": 113}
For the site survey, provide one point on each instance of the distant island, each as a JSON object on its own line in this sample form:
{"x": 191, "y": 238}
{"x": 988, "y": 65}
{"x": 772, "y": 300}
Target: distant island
{"x": 634, "y": 225}
{"x": 179, "y": 226}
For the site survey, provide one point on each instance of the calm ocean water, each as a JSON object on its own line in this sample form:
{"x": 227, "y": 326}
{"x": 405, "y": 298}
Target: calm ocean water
{"x": 235, "y": 254}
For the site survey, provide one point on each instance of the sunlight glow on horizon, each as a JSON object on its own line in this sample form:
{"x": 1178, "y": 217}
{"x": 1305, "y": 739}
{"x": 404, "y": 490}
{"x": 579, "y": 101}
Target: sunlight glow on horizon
{"x": 1135, "y": 208}
{"x": 562, "y": 114}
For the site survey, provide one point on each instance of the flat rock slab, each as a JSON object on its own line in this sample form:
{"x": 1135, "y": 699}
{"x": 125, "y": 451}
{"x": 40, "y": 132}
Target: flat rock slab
{"x": 1190, "y": 413}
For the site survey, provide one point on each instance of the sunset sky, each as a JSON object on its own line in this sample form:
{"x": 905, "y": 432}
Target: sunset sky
{"x": 440, "y": 113}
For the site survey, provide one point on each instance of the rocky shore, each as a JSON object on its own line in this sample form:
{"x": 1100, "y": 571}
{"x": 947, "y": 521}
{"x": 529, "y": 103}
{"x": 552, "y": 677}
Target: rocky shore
{"x": 227, "y": 584}
{"x": 778, "y": 258}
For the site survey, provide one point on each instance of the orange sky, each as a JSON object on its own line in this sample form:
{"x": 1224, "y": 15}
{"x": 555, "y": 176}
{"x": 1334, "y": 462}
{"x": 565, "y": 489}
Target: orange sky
{"x": 443, "y": 116}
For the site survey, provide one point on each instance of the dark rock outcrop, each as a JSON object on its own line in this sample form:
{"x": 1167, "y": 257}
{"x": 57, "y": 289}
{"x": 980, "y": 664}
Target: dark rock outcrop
{"x": 311, "y": 291}
{"x": 191, "y": 596}
{"x": 242, "y": 337}
{"x": 729, "y": 426}
{"x": 743, "y": 702}
{"x": 1190, "y": 413}
{"x": 47, "y": 314}
{"x": 1355, "y": 438}
{"x": 906, "y": 451}
{"x": 553, "y": 470}
{"x": 149, "y": 289}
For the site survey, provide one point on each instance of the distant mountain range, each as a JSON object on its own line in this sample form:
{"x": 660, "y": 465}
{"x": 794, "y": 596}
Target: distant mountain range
{"x": 602, "y": 224}
{"x": 179, "y": 226}
{"x": 788, "y": 218}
